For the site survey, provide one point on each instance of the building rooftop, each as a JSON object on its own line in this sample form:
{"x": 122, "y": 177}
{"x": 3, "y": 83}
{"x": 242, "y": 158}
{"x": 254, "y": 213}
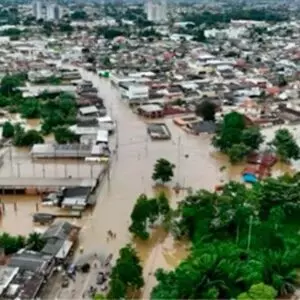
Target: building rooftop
{"x": 6, "y": 276}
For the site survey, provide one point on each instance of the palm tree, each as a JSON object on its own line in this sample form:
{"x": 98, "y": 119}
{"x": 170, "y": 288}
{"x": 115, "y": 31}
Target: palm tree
{"x": 280, "y": 270}
{"x": 35, "y": 241}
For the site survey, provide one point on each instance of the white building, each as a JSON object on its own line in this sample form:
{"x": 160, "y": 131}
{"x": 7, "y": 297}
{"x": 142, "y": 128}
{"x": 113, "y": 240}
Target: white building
{"x": 156, "y": 11}
{"x": 134, "y": 91}
{"x": 46, "y": 10}
{"x": 38, "y": 10}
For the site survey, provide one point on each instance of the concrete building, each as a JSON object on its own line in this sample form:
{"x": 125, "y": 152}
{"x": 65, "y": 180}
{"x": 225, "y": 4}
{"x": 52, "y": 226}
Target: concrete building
{"x": 156, "y": 11}
{"x": 38, "y": 10}
{"x": 47, "y": 10}
{"x": 134, "y": 91}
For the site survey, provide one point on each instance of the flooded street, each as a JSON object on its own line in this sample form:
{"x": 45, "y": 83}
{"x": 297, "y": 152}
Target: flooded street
{"x": 197, "y": 166}
{"x": 131, "y": 176}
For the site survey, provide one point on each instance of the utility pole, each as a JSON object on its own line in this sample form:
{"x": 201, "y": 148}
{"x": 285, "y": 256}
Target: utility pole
{"x": 250, "y": 232}
{"x": 146, "y": 145}
{"x": 18, "y": 169}
{"x": 178, "y": 159}
{"x": 117, "y": 139}
{"x": 10, "y": 159}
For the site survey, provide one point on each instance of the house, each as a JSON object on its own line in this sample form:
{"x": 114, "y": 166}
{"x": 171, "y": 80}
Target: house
{"x": 33, "y": 261}
{"x": 60, "y": 238}
{"x": 151, "y": 111}
{"x": 90, "y": 112}
{"x": 25, "y": 274}
{"x": 202, "y": 127}
{"x": 134, "y": 91}
{"x": 75, "y": 197}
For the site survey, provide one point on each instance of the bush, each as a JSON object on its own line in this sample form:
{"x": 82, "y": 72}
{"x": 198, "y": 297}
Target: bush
{"x": 8, "y": 130}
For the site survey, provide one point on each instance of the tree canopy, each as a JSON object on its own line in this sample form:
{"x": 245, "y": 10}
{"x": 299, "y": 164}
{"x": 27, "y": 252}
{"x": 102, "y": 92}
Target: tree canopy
{"x": 285, "y": 145}
{"x": 8, "y": 130}
{"x": 163, "y": 170}
{"x": 26, "y": 138}
{"x": 146, "y": 212}
{"x": 245, "y": 242}
{"x": 127, "y": 273}
{"x": 259, "y": 291}
{"x": 235, "y": 139}
{"x": 206, "y": 110}
{"x": 63, "y": 135}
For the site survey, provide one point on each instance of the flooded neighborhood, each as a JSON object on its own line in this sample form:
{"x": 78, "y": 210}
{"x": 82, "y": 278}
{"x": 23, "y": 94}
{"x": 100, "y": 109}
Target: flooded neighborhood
{"x": 149, "y": 151}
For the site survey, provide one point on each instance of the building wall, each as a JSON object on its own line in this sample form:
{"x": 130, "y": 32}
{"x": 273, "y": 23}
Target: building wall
{"x": 156, "y": 10}
{"x": 46, "y": 10}
{"x": 136, "y": 92}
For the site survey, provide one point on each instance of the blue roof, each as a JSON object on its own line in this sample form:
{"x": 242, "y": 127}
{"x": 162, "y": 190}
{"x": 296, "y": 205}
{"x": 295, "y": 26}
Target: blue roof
{"x": 249, "y": 178}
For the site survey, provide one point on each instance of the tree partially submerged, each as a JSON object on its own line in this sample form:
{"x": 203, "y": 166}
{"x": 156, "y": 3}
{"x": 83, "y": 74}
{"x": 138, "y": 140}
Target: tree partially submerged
{"x": 245, "y": 242}
{"x": 146, "y": 212}
{"x": 285, "y": 145}
{"x": 63, "y": 135}
{"x": 206, "y": 110}
{"x": 235, "y": 139}
{"x": 126, "y": 274}
{"x": 8, "y": 130}
{"x": 163, "y": 170}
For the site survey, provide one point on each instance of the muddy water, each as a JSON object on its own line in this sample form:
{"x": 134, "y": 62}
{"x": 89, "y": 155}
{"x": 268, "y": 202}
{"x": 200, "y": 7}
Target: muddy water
{"x": 197, "y": 166}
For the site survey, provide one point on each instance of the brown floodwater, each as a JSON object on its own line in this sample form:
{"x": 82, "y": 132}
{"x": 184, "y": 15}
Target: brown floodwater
{"x": 198, "y": 166}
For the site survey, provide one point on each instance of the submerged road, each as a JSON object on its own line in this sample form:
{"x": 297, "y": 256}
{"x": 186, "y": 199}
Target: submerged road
{"x": 131, "y": 175}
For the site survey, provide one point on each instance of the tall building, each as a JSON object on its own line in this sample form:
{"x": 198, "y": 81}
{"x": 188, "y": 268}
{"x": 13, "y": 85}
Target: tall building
{"x": 156, "y": 11}
{"x": 47, "y": 10}
{"x": 38, "y": 9}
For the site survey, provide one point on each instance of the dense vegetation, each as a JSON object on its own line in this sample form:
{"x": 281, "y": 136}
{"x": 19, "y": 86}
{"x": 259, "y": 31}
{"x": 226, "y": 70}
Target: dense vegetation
{"x": 12, "y": 244}
{"x": 54, "y": 110}
{"x": 146, "y": 212}
{"x": 240, "y": 238}
{"x": 212, "y": 18}
{"x": 237, "y": 139}
{"x": 126, "y": 274}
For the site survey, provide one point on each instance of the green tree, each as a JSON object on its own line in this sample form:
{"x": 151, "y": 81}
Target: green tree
{"x": 199, "y": 35}
{"x": 238, "y": 152}
{"x": 259, "y": 291}
{"x": 11, "y": 244}
{"x": 9, "y": 84}
{"x": 145, "y": 212}
{"x": 117, "y": 290}
{"x": 8, "y": 130}
{"x": 31, "y": 108}
{"x": 235, "y": 139}
{"x": 65, "y": 27}
{"x": 58, "y": 112}
{"x": 32, "y": 137}
{"x": 240, "y": 237}
{"x": 206, "y": 110}
{"x": 26, "y": 138}
{"x": 63, "y": 135}
{"x": 79, "y": 15}
{"x": 163, "y": 170}
{"x": 229, "y": 132}
{"x": 127, "y": 273}
{"x": 285, "y": 144}
{"x": 35, "y": 241}
{"x": 252, "y": 137}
